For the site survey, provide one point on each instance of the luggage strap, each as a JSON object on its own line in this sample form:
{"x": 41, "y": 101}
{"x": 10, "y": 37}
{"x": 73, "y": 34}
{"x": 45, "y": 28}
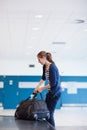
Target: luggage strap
{"x": 33, "y": 95}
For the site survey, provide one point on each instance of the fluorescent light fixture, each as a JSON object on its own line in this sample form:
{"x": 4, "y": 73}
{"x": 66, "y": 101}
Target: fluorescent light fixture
{"x": 56, "y": 43}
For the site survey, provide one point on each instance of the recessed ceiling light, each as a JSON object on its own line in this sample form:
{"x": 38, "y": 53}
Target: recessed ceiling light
{"x": 35, "y": 28}
{"x": 38, "y": 16}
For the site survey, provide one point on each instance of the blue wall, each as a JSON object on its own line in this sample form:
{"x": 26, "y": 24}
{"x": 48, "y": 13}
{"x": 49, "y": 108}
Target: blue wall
{"x": 78, "y": 98}
{"x": 11, "y": 95}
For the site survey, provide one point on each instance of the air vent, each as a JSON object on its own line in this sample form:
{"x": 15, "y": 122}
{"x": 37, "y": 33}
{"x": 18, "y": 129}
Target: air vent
{"x": 31, "y": 65}
{"x": 55, "y": 43}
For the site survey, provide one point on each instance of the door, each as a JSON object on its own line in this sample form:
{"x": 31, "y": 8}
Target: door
{"x": 10, "y": 92}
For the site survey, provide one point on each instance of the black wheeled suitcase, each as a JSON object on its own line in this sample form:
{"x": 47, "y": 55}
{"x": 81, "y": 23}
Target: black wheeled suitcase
{"x": 32, "y": 109}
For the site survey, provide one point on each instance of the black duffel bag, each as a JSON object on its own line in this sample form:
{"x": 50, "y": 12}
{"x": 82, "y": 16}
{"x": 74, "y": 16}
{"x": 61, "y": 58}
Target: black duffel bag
{"x": 32, "y": 109}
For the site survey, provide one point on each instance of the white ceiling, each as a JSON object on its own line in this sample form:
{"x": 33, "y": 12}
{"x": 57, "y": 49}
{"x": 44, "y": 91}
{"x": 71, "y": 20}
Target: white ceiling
{"x": 29, "y": 26}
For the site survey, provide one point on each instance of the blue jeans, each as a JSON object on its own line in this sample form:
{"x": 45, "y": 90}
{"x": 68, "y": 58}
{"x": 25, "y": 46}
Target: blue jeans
{"x": 51, "y": 102}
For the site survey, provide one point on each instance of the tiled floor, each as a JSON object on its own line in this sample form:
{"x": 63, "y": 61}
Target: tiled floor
{"x": 66, "y": 118}
{"x": 71, "y": 128}
{"x": 71, "y": 117}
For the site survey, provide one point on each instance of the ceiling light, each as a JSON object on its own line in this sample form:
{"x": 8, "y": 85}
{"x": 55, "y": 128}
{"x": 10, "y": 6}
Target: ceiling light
{"x": 58, "y": 43}
{"x": 35, "y": 28}
{"x": 39, "y": 16}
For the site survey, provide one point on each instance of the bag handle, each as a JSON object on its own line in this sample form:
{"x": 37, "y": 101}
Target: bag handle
{"x": 41, "y": 96}
{"x": 33, "y": 95}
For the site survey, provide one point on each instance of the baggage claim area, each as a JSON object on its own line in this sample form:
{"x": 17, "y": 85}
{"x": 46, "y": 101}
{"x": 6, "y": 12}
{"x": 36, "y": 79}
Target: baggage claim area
{"x": 26, "y": 28}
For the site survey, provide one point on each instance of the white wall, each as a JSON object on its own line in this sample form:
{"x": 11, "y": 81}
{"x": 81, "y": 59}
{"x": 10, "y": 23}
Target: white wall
{"x": 12, "y": 67}
{"x": 72, "y": 68}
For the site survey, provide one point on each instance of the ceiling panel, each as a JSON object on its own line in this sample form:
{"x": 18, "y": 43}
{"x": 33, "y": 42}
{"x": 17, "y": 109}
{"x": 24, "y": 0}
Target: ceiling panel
{"x": 28, "y": 26}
